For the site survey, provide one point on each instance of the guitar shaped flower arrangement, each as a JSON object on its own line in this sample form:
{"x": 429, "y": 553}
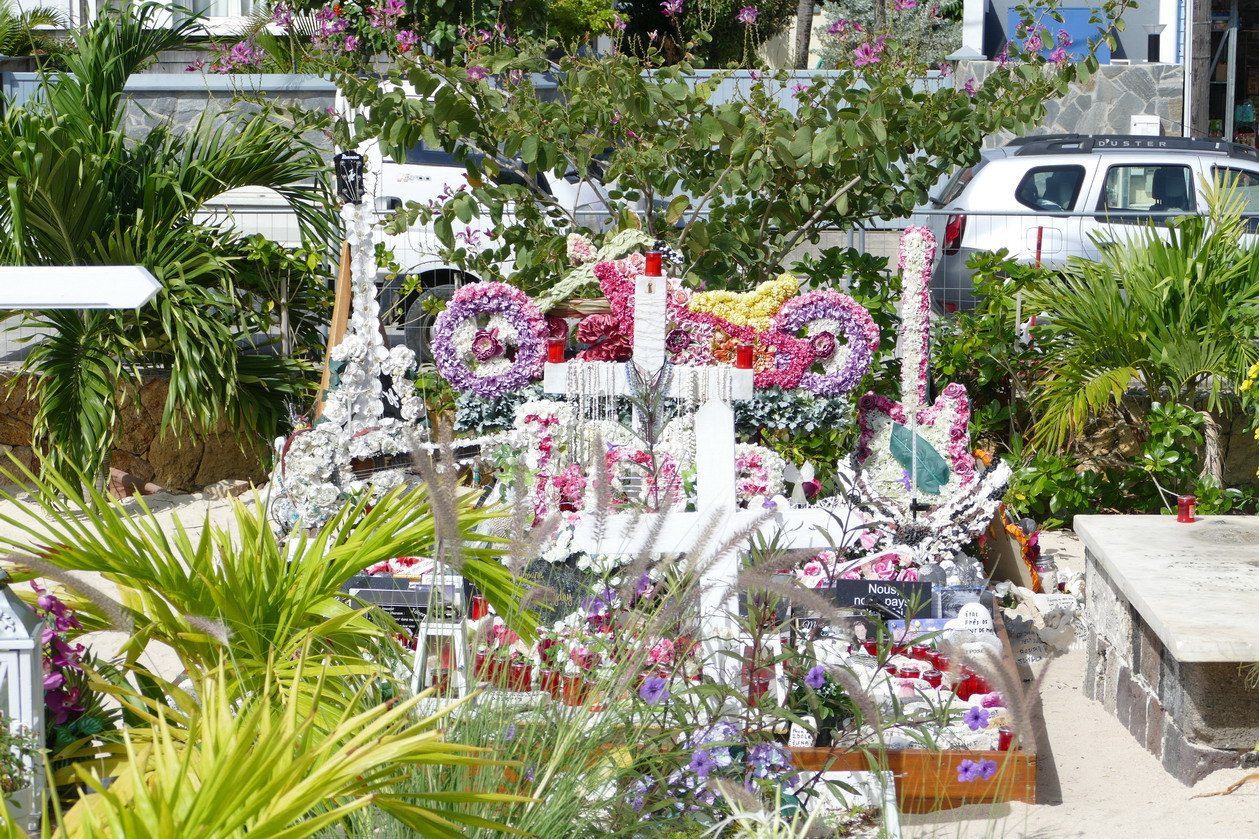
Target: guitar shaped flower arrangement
{"x": 913, "y": 467}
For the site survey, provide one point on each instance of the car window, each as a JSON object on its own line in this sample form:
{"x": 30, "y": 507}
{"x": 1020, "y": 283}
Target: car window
{"x": 1132, "y": 191}
{"x": 1050, "y": 188}
{"x": 1245, "y": 182}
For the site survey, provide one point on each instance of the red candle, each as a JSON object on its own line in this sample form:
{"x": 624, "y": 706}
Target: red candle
{"x": 555, "y": 350}
{"x": 480, "y": 608}
{"x": 654, "y": 263}
{"x": 551, "y": 681}
{"x": 743, "y": 360}
{"x": 871, "y": 647}
{"x": 933, "y": 677}
{"x": 1185, "y": 507}
{"x": 1004, "y": 738}
{"x": 922, "y": 652}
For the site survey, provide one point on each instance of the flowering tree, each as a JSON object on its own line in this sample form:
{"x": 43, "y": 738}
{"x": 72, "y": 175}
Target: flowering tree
{"x": 929, "y": 28}
{"x": 718, "y": 31}
{"x": 732, "y": 185}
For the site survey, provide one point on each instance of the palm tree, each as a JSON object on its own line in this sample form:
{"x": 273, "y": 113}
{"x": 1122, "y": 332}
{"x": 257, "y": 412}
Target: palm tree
{"x": 18, "y": 32}
{"x": 1176, "y": 311}
{"x": 77, "y": 191}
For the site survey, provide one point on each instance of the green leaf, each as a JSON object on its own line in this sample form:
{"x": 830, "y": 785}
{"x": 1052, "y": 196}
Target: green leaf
{"x": 931, "y": 469}
{"x": 676, "y": 208}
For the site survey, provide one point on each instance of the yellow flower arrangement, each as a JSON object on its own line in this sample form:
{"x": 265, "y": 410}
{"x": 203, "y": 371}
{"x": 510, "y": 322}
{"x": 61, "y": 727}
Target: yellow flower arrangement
{"x": 752, "y": 308}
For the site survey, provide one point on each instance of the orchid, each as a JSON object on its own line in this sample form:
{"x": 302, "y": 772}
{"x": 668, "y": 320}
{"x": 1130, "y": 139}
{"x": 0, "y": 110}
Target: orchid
{"x": 747, "y": 15}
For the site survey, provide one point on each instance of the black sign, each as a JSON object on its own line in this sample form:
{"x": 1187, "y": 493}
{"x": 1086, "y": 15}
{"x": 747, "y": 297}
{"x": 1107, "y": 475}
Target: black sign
{"x": 396, "y": 597}
{"x": 390, "y": 401}
{"x": 892, "y": 599}
{"x": 349, "y": 169}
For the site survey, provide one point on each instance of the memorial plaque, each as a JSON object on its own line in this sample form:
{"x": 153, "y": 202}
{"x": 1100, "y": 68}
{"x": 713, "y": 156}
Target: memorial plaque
{"x": 892, "y": 599}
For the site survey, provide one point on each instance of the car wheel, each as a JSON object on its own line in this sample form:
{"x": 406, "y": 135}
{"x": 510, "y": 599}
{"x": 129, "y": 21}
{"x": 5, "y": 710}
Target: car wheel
{"x": 418, "y": 330}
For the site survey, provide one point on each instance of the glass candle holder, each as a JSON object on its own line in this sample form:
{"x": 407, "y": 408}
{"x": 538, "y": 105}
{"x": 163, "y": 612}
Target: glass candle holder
{"x": 933, "y": 677}
{"x": 521, "y": 676}
{"x": 871, "y": 647}
{"x": 743, "y": 357}
{"x": 654, "y": 264}
{"x": 480, "y": 607}
{"x": 555, "y": 350}
{"x": 1005, "y": 737}
{"x": 552, "y": 682}
{"x": 574, "y": 690}
{"x": 1186, "y": 506}
{"x": 922, "y": 652}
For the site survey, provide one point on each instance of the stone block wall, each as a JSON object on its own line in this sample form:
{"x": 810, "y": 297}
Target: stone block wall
{"x": 1196, "y": 717}
{"x": 1107, "y": 101}
{"x": 173, "y": 462}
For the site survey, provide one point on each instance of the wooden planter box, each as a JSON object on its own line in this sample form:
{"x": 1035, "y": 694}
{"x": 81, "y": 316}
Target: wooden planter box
{"x": 927, "y": 780}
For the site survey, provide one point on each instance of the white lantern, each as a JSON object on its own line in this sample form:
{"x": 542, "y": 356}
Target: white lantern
{"x": 22, "y": 694}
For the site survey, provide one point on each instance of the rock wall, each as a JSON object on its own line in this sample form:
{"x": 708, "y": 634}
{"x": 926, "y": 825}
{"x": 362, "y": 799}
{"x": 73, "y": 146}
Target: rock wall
{"x": 1196, "y": 717}
{"x": 1107, "y": 101}
{"x": 174, "y": 462}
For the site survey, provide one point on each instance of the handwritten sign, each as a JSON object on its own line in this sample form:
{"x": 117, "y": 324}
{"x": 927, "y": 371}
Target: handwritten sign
{"x": 898, "y": 599}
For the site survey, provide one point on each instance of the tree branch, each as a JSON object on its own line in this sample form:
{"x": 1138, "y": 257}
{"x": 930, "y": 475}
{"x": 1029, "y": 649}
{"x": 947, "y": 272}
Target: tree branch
{"x": 799, "y": 233}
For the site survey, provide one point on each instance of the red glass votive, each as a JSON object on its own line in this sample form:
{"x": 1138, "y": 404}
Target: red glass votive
{"x": 480, "y": 668}
{"x": 654, "y": 264}
{"x": 891, "y": 669}
{"x": 922, "y": 652}
{"x": 574, "y": 690}
{"x": 551, "y": 681}
{"x": 521, "y": 676}
{"x": 909, "y": 671}
{"x": 758, "y": 686}
{"x": 441, "y": 681}
{"x": 743, "y": 358}
{"x": 871, "y": 647}
{"x": 555, "y": 350}
{"x": 1004, "y": 738}
{"x": 480, "y": 608}
{"x": 941, "y": 661}
{"x": 933, "y": 677}
{"x": 1186, "y": 505}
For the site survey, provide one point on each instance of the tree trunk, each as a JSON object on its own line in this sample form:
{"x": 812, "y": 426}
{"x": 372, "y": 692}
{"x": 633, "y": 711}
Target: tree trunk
{"x": 1212, "y": 451}
{"x": 804, "y": 32}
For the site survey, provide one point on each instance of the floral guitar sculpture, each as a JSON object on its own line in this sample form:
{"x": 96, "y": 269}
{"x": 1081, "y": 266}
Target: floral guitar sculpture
{"x": 914, "y": 468}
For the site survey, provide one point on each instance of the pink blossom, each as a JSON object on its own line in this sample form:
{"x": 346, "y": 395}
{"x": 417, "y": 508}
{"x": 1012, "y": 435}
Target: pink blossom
{"x": 351, "y": 43}
{"x": 747, "y": 15}
{"x": 476, "y": 73}
{"x": 902, "y": 5}
{"x": 867, "y": 53}
{"x": 869, "y": 538}
{"x": 908, "y": 575}
{"x": 884, "y": 567}
{"x": 617, "y": 23}
{"x": 970, "y": 87}
{"x": 671, "y": 8}
{"x": 1059, "y": 56}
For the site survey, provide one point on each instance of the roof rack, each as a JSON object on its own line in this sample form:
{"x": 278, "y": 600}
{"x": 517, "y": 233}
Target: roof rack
{"x": 1089, "y": 143}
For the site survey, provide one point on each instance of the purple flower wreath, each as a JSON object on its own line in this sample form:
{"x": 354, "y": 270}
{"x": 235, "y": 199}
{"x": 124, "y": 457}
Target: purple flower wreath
{"x": 844, "y": 365}
{"x": 470, "y": 303}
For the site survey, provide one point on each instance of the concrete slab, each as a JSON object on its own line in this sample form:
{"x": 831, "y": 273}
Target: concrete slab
{"x": 1196, "y": 585}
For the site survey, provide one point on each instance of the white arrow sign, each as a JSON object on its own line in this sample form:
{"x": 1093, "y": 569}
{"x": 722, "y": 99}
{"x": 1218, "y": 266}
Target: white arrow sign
{"x": 76, "y": 287}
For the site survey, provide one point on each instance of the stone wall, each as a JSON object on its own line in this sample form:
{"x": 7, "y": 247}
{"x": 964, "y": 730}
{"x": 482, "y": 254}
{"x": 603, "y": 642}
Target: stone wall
{"x": 173, "y": 462}
{"x": 1195, "y": 717}
{"x": 1107, "y": 101}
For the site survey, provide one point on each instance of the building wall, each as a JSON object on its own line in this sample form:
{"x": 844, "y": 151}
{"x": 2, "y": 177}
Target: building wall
{"x": 1107, "y": 101}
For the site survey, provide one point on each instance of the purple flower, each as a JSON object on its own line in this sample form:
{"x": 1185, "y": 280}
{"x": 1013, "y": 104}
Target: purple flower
{"x": 406, "y": 40}
{"x": 867, "y": 53}
{"x": 823, "y": 344}
{"x": 282, "y": 16}
{"x": 816, "y": 677}
{"x": 702, "y": 763}
{"x": 671, "y": 8}
{"x": 976, "y": 718}
{"x": 902, "y": 5}
{"x": 1033, "y": 44}
{"x": 476, "y": 73}
{"x": 945, "y": 68}
{"x": 1059, "y": 56}
{"x": 1064, "y": 38}
{"x": 509, "y": 733}
{"x": 969, "y": 87}
{"x": 967, "y": 771}
{"x": 677, "y": 340}
{"x": 52, "y": 681}
{"x": 351, "y": 43}
{"x": 654, "y": 690}
{"x": 987, "y": 768}
{"x": 486, "y": 345}
{"x": 747, "y": 15}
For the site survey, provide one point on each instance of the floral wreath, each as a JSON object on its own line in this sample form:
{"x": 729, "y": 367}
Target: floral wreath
{"x": 825, "y": 315}
{"x": 758, "y": 472}
{"x": 474, "y": 337}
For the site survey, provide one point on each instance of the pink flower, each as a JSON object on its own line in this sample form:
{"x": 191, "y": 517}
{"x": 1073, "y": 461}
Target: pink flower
{"x": 351, "y": 43}
{"x": 662, "y": 652}
{"x": 671, "y": 8}
{"x": 747, "y": 15}
{"x": 970, "y": 87}
{"x": 869, "y": 538}
{"x": 1059, "y": 56}
{"x": 908, "y": 575}
{"x": 851, "y": 574}
{"x": 476, "y": 73}
{"x": 812, "y": 569}
{"x": 617, "y": 23}
{"x": 884, "y": 567}
{"x": 902, "y": 5}
{"x": 868, "y": 53}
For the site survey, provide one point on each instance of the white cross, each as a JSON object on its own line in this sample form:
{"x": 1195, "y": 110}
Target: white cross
{"x": 717, "y": 511}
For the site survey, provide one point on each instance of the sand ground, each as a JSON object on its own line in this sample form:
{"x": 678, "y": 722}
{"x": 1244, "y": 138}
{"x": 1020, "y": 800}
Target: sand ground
{"x": 1095, "y": 782}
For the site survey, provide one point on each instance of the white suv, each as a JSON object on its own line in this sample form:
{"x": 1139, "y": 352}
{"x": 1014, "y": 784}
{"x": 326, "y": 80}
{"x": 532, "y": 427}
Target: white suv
{"x": 1046, "y": 198}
